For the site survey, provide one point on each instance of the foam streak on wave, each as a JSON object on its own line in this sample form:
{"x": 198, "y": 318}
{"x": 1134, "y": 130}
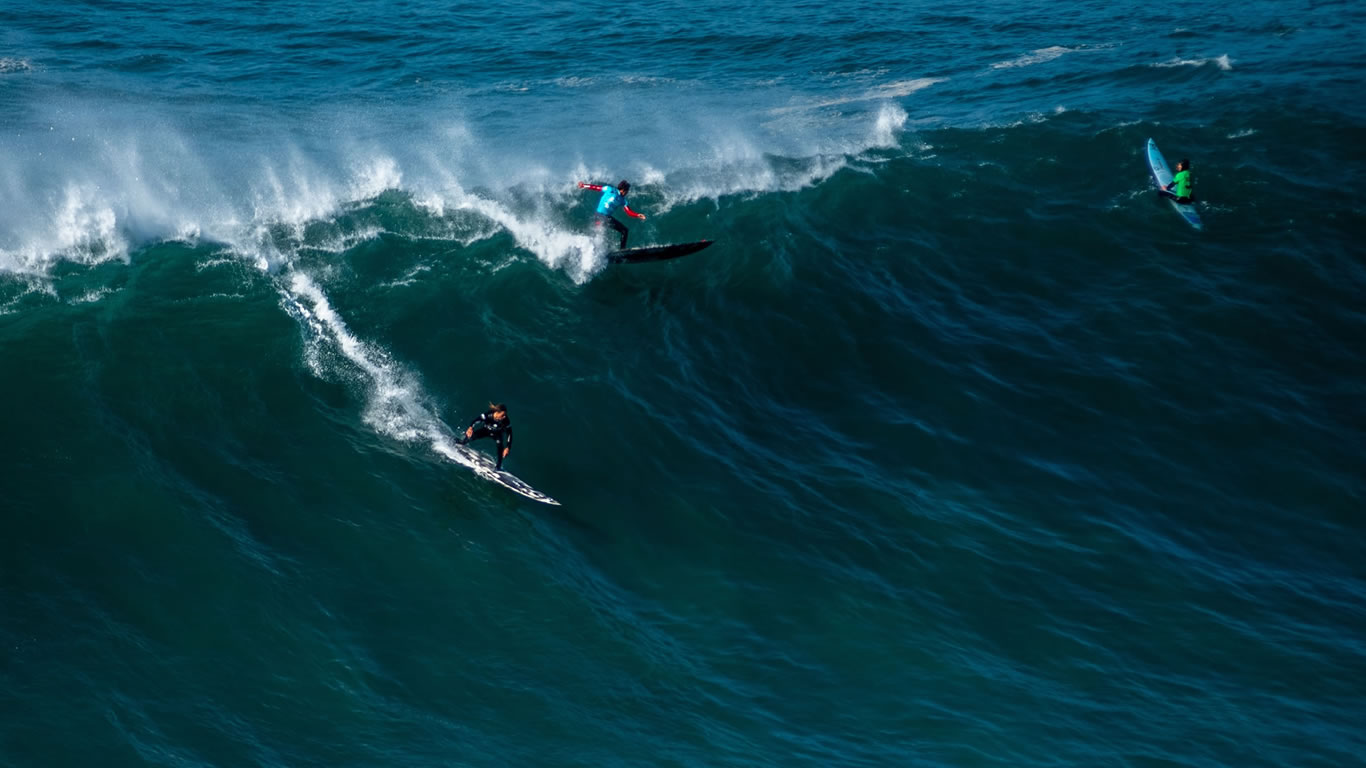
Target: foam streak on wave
{"x": 1222, "y": 62}
{"x": 1034, "y": 57}
{"x": 396, "y": 405}
{"x": 894, "y": 90}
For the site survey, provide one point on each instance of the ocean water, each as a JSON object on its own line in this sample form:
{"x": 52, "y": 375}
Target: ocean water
{"x": 958, "y": 448}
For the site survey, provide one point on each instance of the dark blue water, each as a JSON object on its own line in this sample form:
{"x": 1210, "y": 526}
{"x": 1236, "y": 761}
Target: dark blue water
{"x": 959, "y": 448}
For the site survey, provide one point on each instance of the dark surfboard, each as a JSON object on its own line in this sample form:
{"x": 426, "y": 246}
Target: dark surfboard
{"x": 655, "y": 252}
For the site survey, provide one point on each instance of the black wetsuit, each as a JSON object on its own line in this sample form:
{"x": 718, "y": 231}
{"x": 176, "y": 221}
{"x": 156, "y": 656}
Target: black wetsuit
{"x": 609, "y": 220}
{"x": 485, "y": 425}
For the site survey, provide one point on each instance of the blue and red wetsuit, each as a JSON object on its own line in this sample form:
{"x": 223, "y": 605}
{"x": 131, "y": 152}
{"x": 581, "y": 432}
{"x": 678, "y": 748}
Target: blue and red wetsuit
{"x": 612, "y": 199}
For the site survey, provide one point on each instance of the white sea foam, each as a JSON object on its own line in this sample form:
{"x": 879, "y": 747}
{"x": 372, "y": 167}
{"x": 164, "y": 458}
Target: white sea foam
{"x": 857, "y": 74}
{"x": 92, "y": 184}
{"x": 740, "y": 161}
{"x": 91, "y": 296}
{"x": 80, "y": 227}
{"x": 1222, "y": 62}
{"x": 579, "y": 254}
{"x": 900, "y": 88}
{"x": 373, "y": 176}
{"x": 1038, "y": 56}
{"x": 893, "y": 90}
{"x": 394, "y": 400}
{"x": 1051, "y": 53}
{"x": 1032, "y": 118}
{"x": 1121, "y": 124}
{"x": 742, "y": 169}
{"x": 575, "y": 81}
{"x": 214, "y": 263}
{"x": 887, "y": 127}
{"x": 409, "y": 278}
{"x": 396, "y": 405}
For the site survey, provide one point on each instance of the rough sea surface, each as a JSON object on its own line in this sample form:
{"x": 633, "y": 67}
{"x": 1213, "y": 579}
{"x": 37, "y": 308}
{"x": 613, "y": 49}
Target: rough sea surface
{"x": 959, "y": 448}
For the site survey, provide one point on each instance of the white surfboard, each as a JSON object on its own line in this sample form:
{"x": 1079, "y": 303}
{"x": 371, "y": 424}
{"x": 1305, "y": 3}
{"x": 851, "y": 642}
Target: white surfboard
{"x": 484, "y": 466}
{"x": 1163, "y": 174}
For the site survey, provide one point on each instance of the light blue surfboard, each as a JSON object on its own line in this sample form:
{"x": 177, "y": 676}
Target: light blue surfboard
{"x": 1163, "y": 174}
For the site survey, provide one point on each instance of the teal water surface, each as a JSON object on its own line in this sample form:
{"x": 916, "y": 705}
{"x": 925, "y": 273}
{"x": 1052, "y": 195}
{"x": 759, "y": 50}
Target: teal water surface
{"x": 958, "y": 448}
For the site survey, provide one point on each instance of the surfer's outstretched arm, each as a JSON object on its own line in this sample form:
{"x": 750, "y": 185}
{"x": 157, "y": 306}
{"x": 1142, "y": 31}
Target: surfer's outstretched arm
{"x": 632, "y": 213}
{"x": 594, "y": 187}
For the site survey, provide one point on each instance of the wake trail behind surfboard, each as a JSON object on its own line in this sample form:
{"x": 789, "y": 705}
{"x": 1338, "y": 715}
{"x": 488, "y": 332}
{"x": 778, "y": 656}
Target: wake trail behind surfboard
{"x": 395, "y": 403}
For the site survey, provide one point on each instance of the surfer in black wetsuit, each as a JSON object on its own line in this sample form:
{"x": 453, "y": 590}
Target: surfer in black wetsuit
{"x": 493, "y": 423}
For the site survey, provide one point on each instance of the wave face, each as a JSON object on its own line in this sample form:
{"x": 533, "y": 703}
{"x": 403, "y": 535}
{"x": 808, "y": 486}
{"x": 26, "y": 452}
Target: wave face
{"x": 958, "y": 447}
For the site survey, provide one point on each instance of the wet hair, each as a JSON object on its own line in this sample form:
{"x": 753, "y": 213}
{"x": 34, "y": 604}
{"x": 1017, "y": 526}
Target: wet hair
{"x": 496, "y": 407}
{"x": 624, "y": 186}
{"x": 1185, "y": 163}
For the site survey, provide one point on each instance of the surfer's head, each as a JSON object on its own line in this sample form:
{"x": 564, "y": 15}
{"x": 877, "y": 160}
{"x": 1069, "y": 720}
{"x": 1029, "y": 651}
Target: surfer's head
{"x": 1184, "y": 165}
{"x": 624, "y": 186}
{"x": 499, "y": 409}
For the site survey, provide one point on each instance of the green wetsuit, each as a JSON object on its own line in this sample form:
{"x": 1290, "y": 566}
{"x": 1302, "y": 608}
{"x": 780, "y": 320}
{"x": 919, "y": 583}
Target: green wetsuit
{"x": 1182, "y": 180}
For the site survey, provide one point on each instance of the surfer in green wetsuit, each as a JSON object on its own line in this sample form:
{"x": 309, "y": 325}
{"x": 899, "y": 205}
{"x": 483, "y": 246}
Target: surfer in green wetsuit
{"x": 493, "y": 423}
{"x": 1180, "y": 187}
{"x": 612, "y": 199}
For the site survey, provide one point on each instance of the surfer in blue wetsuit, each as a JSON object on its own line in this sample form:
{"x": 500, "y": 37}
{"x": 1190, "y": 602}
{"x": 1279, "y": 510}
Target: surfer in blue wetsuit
{"x": 1180, "y": 187}
{"x": 493, "y": 423}
{"x": 612, "y": 199}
